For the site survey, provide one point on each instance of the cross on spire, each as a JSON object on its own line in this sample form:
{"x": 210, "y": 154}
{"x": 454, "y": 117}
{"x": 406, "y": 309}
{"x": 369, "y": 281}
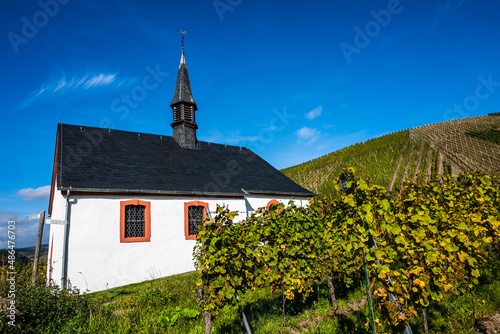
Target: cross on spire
{"x": 182, "y": 40}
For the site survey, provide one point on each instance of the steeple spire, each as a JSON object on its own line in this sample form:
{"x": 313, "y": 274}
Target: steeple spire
{"x": 184, "y": 107}
{"x": 183, "y": 87}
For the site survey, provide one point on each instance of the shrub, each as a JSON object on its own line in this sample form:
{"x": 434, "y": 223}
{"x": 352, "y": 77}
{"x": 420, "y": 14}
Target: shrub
{"x": 42, "y": 309}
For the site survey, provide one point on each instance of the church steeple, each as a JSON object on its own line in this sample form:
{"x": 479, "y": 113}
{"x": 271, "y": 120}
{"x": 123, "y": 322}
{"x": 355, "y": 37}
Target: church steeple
{"x": 184, "y": 108}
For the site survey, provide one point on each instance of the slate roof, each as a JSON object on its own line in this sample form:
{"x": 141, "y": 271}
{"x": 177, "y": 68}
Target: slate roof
{"x": 182, "y": 86}
{"x": 96, "y": 159}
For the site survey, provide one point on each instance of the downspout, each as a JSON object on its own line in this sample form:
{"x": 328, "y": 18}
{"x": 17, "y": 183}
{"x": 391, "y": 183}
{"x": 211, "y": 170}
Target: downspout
{"x": 64, "y": 276}
{"x": 247, "y": 204}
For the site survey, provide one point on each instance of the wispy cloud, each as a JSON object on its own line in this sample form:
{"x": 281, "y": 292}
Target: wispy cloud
{"x": 30, "y": 194}
{"x": 316, "y": 112}
{"x": 98, "y": 80}
{"x": 307, "y": 135}
{"x": 64, "y": 85}
{"x": 446, "y": 8}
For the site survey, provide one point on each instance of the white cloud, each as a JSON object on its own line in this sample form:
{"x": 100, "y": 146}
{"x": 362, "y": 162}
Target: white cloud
{"x": 314, "y": 113}
{"x": 74, "y": 85}
{"x": 25, "y": 232}
{"x": 30, "y": 194}
{"x": 101, "y": 79}
{"x": 308, "y": 135}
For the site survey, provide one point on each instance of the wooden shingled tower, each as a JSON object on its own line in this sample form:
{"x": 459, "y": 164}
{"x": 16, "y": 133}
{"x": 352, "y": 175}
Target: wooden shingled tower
{"x": 184, "y": 109}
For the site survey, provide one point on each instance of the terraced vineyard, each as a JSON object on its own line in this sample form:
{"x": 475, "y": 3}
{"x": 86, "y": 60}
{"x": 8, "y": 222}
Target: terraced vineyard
{"x": 464, "y": 151}
{"x": 375, "y": 159}
{"x": 491, "y": 135}
{"x": 391, "y": 159}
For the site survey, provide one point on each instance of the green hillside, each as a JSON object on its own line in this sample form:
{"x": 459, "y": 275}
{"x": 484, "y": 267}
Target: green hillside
{"x": 446, "y": 147}
{"x": 375, "y": 159}
{"x": 29, "y": 252}
{"x": 4, "y": 258}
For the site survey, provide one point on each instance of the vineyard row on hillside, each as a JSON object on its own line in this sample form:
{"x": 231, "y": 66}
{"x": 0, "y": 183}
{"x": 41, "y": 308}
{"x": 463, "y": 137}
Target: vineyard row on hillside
{"x": 389, "y": 160}
{"x": 416, "y": 247}
{"x": 465, "y": 151}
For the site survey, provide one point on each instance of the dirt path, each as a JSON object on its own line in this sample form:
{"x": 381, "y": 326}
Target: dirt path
{"x": 395, "y": 174}
{"x": 419, "y": 160}
{"x": 491, "y": 324}
{"x": 408, "y": 163}
{"x": 430, "y": 158}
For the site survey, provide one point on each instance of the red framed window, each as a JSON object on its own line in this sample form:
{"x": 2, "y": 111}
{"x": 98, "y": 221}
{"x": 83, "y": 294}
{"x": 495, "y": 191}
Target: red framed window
{"x": 135, "y": 221}
{"x": 194, "y": 214}
{"x": 271, "y": 202}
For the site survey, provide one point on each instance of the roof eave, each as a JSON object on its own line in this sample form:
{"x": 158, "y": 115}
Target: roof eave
{"x": 284, "y": 193}
{"x": 150, "y": 192}
{"x": 185, "y": 193}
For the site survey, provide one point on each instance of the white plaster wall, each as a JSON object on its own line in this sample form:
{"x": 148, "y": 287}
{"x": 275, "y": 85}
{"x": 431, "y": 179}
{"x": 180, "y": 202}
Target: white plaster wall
{"x": 56, "y": 237}
{"x": 97, "y": 260}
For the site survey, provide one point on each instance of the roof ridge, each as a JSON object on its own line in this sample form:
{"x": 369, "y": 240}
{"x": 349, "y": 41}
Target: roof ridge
{"x": 114, "y": 130}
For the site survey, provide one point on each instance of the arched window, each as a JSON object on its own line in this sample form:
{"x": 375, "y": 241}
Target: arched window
{"x": 270, "y": 203}
{"x": 194, "y": 214}
{"x": 135, "y": 221}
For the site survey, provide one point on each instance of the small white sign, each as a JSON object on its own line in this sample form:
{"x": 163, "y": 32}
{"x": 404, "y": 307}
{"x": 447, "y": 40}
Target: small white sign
{"x": 33, "y": 217}
{"x": 55, "y": 221}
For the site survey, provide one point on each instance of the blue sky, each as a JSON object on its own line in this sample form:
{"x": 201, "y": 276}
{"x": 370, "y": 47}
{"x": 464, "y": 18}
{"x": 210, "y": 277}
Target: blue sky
{"x": 292, "y": 80}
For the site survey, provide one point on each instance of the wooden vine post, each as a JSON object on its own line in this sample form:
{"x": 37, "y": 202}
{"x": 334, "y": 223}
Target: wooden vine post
{"x": 36, "y": 260}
